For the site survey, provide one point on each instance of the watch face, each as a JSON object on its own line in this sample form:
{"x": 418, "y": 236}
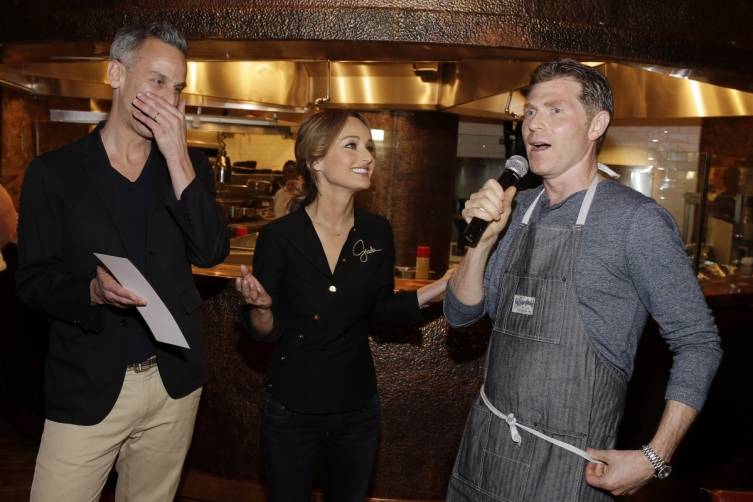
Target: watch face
{"x": 663, "y": 472}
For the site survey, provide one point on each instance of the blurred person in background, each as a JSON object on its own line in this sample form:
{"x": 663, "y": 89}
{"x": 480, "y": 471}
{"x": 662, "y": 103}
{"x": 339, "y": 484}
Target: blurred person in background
{"x": 724, "y": 204}
{"x": 291, "y": 190}
{"x": 8, "y": 223}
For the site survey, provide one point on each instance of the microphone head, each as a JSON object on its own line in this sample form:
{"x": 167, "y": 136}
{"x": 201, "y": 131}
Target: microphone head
{"x": 517, "y": 164}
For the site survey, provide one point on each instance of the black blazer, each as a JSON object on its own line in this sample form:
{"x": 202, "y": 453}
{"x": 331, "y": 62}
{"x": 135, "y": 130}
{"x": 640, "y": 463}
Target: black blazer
{"x": 323, "y": 363}
{"x": 67, "y": 214}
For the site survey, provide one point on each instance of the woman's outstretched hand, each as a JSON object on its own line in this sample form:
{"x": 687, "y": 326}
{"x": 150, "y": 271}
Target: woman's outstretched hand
{"x": 252, "y": 291}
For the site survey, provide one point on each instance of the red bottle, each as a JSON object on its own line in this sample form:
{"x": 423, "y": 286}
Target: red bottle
{"x": 422, "y": 262}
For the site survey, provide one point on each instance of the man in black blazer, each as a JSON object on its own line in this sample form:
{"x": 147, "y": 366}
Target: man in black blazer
{"x": 131, "y": 188}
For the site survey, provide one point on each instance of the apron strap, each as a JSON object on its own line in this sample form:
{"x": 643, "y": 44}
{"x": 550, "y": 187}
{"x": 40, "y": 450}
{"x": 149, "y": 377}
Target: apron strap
{"x": 515, "y": 435}
{"x": 585, "y": 206}
{"x": 527, "y": 216}
{"x": 606, "y": 170}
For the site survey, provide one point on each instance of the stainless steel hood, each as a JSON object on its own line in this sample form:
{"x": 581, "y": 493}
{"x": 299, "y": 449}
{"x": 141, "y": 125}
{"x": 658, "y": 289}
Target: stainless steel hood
{"x": 473, "y": 87}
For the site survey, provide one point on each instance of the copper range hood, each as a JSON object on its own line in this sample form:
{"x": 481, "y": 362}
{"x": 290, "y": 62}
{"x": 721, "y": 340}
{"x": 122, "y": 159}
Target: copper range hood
{"x": 487, "y": 88}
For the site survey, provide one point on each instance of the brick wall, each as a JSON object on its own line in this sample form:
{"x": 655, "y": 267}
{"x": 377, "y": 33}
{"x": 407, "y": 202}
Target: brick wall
{"x": 728, "y": 136}
{"x": 26, "y": 132}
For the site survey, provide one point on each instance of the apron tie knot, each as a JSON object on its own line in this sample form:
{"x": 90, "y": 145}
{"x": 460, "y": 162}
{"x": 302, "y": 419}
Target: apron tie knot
{"x": 512, "y": 423}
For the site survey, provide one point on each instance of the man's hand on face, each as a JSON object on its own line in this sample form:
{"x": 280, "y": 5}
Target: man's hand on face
{"x": 168, "y": 126}
{"x": 105, "y": 289}
{"x": 167, "y": 123}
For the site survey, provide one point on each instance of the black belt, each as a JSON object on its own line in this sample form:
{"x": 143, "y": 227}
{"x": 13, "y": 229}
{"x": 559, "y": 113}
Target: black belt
{"x": 143, "y": 365}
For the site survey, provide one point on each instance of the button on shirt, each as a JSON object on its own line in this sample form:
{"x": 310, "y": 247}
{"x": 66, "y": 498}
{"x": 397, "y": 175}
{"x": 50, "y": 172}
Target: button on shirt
{"x": 322, "y": 362}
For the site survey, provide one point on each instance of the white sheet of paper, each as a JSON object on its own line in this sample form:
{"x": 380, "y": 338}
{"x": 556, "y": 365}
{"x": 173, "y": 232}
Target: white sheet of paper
{"x": 155, "y": 313}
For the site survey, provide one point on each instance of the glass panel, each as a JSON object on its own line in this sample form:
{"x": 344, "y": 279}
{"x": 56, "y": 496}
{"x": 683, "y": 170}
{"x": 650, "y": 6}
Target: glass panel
{"x": 730, "y": 208}
{"x": 726, "y": 265}
{"x": 661, "y": 161}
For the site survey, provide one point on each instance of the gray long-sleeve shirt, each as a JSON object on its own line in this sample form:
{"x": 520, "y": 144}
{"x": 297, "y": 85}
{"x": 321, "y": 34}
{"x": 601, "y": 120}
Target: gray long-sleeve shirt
{"x": 631, "y": 265}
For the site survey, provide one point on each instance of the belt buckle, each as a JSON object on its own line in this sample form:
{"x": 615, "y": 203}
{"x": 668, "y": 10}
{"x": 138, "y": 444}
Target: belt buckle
{"x": 143, "y": 365}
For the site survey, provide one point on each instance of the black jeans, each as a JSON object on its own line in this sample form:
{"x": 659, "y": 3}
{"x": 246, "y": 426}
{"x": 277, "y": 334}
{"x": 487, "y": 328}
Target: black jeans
{"x": 293, "y": 443}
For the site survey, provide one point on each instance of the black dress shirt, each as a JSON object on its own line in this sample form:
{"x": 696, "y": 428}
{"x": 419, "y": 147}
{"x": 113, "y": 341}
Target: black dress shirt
{"x": 132, "y": 212}
{"x": 323, "y": 363}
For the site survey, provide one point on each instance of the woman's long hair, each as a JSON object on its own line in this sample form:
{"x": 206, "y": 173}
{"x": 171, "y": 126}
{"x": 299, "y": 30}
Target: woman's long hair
{"x": 315, "y": 135}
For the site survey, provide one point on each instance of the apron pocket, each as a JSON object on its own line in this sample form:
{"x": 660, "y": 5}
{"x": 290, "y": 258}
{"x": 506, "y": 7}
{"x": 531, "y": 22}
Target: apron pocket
{"x": 498, "y": 467}
{"x": 504, "y": 477}
{"x": 488, "y": 459}
{"x": 561, "y": 473}
{"x": 471, "y": 450}
{"x": 534, "y": 310}
{"x": 506, "y": 464}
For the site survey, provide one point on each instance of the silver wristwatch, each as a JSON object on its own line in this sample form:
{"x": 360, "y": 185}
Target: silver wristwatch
{"x": 661, "y": 468}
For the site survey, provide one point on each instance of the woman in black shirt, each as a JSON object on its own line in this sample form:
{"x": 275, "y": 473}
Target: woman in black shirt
{"x": 320, "y": 274}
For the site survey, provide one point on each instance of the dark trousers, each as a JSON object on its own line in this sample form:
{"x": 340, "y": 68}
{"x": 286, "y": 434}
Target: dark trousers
{"x": 296, "y": 445}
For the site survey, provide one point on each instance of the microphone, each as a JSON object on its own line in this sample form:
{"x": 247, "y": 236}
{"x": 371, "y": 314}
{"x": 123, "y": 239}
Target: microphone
{"x": 515, "y": 168}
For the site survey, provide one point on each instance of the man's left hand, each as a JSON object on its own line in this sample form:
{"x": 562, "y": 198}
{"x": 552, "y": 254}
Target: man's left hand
{"x": 167, "y": 123}
{"x": 623, "y": 471}
{"x": 168, "y": 126}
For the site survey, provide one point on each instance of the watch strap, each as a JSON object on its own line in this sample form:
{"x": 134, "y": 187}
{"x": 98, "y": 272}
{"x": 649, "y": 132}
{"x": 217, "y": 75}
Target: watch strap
{"x": 660, "y": 466}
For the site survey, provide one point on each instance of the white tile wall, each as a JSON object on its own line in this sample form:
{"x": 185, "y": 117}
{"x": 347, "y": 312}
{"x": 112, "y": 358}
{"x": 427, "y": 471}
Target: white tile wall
{"x": 672, "y": 151}
{"x": 270, "y": 151}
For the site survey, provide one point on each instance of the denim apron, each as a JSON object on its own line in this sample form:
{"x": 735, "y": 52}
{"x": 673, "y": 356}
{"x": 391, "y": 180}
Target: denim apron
{"x": 547, "y": 393}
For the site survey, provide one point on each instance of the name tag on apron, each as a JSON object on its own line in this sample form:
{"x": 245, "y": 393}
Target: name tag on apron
{"x": 523, "y": 304}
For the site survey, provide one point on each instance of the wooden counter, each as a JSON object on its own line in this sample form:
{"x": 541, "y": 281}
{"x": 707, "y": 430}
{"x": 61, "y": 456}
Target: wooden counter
{"x": 735, "y": 284}
{"x": 730, "y": 285}
{"x": 232, "y": 270}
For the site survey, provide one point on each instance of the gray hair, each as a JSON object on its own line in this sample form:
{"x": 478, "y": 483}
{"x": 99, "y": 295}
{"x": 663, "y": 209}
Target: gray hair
{"x": 129, "y": 38}
{"x": 595, "y": 94}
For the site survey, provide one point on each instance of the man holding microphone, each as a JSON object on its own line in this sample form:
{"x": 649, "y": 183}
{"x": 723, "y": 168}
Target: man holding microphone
{"x": 569, "y": 275}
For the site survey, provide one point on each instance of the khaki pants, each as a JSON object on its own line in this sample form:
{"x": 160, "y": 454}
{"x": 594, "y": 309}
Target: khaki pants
{"x": 148, "y": 432}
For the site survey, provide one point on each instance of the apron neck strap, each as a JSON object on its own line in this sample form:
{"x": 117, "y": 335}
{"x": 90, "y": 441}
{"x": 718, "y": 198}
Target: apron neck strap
{"x": 585, "y": 206}
{"x": 527, "y": 216}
